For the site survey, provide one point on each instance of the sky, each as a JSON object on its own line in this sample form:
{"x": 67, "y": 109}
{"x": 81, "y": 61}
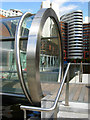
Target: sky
{"x": 64, "y": 6}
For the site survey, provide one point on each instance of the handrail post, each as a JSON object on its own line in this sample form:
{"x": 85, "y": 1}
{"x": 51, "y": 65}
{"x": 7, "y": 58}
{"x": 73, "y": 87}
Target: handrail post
{"x": 67, "y": 90}
{"x": 81, "y": 71}
{"x": 25, "y": 115}
{"x": 55, "y": 113}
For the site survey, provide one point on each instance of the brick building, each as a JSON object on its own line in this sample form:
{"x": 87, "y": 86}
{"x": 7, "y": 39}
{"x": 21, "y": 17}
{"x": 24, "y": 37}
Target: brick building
{"x": 64, "y": 36}
{"x": 86, "y": 40}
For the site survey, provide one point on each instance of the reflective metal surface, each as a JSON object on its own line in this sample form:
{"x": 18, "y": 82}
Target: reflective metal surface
{"x": 33, "y": 52}
{"x": 17, "y": 53}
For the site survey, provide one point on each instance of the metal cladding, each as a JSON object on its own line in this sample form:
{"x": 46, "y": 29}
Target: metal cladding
{"x": 75, "y": 34}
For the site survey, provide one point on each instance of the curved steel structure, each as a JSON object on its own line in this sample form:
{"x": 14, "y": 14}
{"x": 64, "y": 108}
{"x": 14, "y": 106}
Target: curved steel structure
{"x": 17, "y": 51}
{"x": 27, "y": 65}
{"x": 33, "y": 52}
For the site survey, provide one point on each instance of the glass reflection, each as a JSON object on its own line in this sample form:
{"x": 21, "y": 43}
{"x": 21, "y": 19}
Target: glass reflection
{"x": 9, "y": 80}
{"x": 49, "y": 52}
{"x": 8, "y": 26}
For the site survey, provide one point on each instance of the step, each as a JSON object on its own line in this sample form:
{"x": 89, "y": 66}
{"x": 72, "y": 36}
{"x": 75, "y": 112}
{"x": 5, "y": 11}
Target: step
{"x": 76, "y": 107}
{"x": 71, "y": 116}
{"x": 75, "y": 110}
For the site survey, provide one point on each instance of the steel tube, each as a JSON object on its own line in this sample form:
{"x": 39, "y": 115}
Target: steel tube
{"x": 67, "y": 90}
{"x": 17, "y": 54}
{"x": 30, "y": 108}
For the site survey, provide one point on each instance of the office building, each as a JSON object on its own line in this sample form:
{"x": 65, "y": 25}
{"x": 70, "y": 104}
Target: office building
{"x": 74, "y": 22}
{"x": 86, "y": 40}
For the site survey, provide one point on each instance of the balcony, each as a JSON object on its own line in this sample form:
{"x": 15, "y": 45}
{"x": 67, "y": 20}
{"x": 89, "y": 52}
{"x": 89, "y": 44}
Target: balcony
{"x": 70, "y": 51}
{"x": 73, "y": 23}
{"x": 75, "y": 26}
{"x": 75, "y": 54}
{"x": 76, "y": 45}
{"x": 74, "y": 32}
{"x": 77, "y": 13}
{"x": 75, "y": 48}
{"x": 76, "y": 20}
{"x": 81, "y": 42}
{"x": 75, "y": 35}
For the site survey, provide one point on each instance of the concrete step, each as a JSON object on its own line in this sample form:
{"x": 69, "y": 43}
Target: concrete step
{"x": 74, "y": 110}
{"x": 71, "y": 116}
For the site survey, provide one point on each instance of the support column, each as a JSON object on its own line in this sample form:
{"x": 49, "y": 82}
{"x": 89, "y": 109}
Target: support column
{"x": 53, "y": 60}
{"x": 25, "y": 117}
{"x": 47, "y": 61}
{"x": 50, "y": 60}
{"x": 67, "y": 91}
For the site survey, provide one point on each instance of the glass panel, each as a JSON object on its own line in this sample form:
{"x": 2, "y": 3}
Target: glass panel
{"x": 8, "y": 26}
{"x": 49, "y": 52}
{"x": 9, "y": 78}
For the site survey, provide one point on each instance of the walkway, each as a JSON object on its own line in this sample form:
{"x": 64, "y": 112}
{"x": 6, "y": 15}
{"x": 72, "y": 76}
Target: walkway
{"x": 77, "y": 92}
{"x": 78, "y": 99}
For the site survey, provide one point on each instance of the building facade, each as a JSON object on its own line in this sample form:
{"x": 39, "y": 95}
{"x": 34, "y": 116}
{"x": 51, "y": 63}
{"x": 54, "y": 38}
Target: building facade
{"x": 74, "y": 22}
{"x": 86, "y": 41}
{"x": 10, "y": 13}
{"x": 64, "y": 35}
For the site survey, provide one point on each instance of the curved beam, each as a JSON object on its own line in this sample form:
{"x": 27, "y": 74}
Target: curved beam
{"x": 17, "y": 56}
{"x": 33, "y": 52}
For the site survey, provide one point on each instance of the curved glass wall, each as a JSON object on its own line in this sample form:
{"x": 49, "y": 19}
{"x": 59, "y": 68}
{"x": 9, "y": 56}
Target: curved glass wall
{"x": 9, "y": 77}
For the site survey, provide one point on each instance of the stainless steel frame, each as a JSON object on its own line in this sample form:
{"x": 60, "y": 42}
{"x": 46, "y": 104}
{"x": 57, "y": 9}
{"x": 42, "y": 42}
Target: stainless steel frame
{"x": 33, "y": 52}
{"x": 17, "y": 56}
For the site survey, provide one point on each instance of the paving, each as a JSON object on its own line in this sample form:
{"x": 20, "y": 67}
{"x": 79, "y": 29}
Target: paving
{"x": 77, "y": 92}
{"x": 74, "y": 110}
{"x": 78, "y": 99}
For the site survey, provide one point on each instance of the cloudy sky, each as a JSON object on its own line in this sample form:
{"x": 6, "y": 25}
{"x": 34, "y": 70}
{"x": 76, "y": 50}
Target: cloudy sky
{"x": 66, "y": 6}
{"x": 33, "y": 6}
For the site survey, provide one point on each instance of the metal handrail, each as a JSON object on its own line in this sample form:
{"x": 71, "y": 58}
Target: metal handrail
{"x": 56, "y": 99}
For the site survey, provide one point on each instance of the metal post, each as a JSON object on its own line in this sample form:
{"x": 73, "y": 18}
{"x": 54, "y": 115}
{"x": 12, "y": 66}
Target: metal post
{"x": 25, "y": 117}
{"x": 55, "y": 113}
{"x": 50, "y": 60}
{"x": 80, "y": 75}
{"x": 47, "y": 61}
{"x": 67, "y": 91}
{"x": 53, "y": 60}
{"x": 81, "y": 68}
